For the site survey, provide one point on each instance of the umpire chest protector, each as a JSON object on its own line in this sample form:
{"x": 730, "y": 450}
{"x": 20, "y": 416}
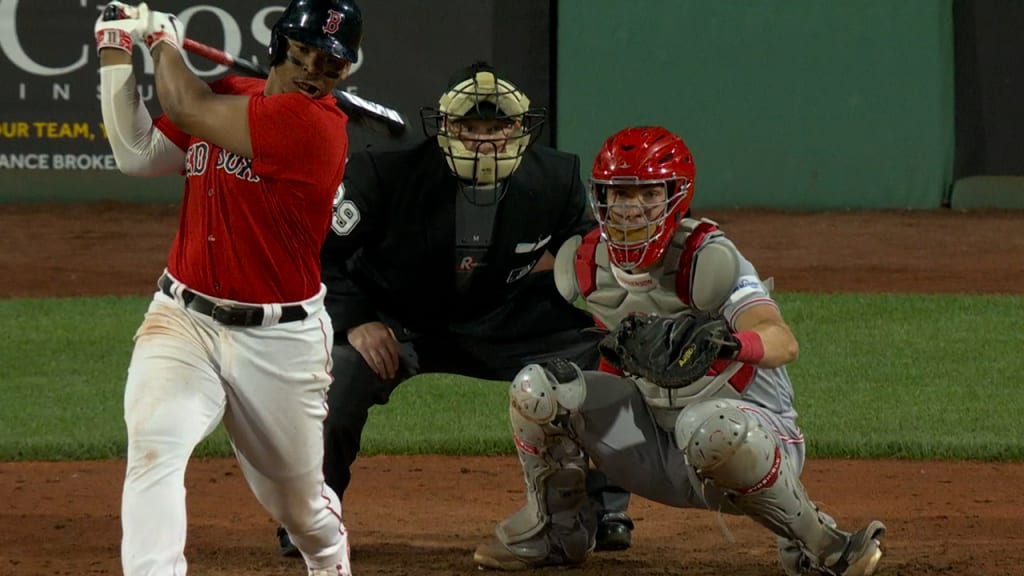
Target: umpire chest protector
{"x": 699, "y": 272}
{"x": 474, "y": 229}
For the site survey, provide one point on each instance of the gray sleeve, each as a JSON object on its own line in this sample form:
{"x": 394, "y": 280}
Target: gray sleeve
{"x": 749, "y": 291}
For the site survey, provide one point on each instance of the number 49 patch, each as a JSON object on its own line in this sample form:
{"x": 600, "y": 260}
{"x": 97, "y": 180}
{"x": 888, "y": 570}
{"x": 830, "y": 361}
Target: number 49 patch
{"x": 346, "y": 213}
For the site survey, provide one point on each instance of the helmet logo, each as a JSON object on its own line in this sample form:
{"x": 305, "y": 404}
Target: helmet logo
{"x": 334, "y": 20}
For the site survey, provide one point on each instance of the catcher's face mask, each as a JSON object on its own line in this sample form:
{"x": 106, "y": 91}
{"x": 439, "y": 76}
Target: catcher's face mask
{"x": 635, "y": 220}
{"x": 483, "y": 125}
{"x": 633, "y": 211}
{"x": 641, "y": 187}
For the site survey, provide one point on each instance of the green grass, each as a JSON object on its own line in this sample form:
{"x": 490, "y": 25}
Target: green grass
{"x": 879, "y": 376}
{"x": 910, "y": 376}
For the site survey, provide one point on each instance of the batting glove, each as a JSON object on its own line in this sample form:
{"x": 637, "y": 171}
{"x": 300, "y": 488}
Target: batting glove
{"x": 163, "y": 27}
{"x": 120, "y": 26}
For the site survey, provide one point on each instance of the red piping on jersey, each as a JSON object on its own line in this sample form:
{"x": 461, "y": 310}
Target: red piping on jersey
{"x": 690, "y": 246}
{"x": 586, "y": 263}
{"x": 786, "y": 439}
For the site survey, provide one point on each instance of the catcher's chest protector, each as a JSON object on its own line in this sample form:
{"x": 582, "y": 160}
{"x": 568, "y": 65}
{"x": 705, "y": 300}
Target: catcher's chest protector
{"x": 694, "y": 274}
{"x": 612, "y": 294}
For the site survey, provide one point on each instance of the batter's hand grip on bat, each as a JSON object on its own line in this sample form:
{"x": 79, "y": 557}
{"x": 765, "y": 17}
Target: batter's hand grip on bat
{"x": 359, "y": 110}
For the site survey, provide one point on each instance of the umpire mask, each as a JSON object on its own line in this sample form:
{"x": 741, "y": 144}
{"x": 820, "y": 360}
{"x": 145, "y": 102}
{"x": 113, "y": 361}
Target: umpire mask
{"x": 483, "y": 125}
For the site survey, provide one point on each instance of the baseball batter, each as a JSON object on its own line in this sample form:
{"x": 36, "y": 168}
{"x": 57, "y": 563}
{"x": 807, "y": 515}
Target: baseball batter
{"x": 237, "y": 332}
{"x": 725, "y": 440}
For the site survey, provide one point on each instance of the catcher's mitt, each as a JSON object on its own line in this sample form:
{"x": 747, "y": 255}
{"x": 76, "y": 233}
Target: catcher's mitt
{"x": 669, "y": 352}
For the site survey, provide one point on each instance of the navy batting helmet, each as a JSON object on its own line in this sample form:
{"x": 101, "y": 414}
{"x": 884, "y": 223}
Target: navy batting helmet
{"x": 334, "y": 26}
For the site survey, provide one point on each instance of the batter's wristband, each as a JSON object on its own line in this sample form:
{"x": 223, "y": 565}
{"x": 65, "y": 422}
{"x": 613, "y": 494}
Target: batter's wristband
{"x": 114, "y": 38}
{"x": 153, "y": 40}
{"x": 751, "y": 347}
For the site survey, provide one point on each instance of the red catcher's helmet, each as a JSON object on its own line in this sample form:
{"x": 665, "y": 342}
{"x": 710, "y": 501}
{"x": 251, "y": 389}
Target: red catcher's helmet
{"x": 641, "y": 156}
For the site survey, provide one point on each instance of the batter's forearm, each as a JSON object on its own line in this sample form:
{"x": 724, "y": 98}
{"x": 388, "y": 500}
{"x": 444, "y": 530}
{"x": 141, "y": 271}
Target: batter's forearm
{"x": 177, "y": 88}
{"x": 138, "y": 147}
{"x": 114, "y": 57}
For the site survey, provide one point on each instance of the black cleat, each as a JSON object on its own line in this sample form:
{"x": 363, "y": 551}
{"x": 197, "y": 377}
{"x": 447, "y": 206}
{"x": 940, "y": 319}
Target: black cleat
{"x": 284, "y": 544}
{"x": 613, "y": 535}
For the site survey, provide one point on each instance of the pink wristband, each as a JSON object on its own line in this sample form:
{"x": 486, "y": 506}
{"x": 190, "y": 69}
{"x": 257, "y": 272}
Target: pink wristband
{"x": 751, "y": 347}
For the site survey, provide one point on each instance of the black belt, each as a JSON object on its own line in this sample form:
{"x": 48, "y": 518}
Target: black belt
{"x": 228, "y": 314}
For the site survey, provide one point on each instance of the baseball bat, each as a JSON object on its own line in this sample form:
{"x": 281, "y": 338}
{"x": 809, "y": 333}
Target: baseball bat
{"x": 359, "y": 110}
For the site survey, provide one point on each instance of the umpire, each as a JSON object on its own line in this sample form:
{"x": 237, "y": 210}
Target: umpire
{"x": 439, "y": 261}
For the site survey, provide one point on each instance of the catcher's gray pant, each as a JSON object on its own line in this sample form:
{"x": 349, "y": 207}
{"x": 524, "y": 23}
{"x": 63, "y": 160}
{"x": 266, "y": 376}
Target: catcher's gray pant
{"x": 357, "y": 388}
{"x": 623, "y": 440}
{"x": 739, "y": 458}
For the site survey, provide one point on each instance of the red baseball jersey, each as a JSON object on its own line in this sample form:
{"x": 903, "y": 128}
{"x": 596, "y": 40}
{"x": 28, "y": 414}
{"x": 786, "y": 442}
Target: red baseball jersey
{"x": 251, "y": 229}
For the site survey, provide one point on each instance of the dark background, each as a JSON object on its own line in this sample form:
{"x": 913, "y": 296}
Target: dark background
{"x": 989, "y": 48}
{"x": 410, "y": 48}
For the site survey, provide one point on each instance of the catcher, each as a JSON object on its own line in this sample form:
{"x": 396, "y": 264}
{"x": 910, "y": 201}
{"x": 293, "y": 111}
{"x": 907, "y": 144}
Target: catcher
{"x": 692, "y": 405}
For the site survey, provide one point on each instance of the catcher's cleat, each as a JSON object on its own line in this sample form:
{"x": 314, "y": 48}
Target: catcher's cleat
{"x": 794, "y": 561}
{"x": 860, "y": 557}
{"x": 494, "y": 555}
{"x": 613, "y": 535}
{"x": 863, "y": 552}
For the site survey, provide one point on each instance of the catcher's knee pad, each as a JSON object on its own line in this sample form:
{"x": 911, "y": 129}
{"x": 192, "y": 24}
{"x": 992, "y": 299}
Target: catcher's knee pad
{"x": 556, "y": 525}
{"x": 732, "y": 450}
{"x": 541, "y": 393}
{"x": 726, "y": 446}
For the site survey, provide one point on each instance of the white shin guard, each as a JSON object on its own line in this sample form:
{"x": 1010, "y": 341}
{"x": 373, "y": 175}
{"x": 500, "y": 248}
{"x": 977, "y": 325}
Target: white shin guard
{"x": 556, "y": 525}
{"x": 731, "y": 450}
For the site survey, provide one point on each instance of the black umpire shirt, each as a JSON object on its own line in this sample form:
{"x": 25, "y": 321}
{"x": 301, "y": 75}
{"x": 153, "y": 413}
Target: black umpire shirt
{"x": 391, "y": 253}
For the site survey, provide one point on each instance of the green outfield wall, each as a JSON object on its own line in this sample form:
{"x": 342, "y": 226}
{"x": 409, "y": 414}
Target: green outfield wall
{"x": 796, "y": 104}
